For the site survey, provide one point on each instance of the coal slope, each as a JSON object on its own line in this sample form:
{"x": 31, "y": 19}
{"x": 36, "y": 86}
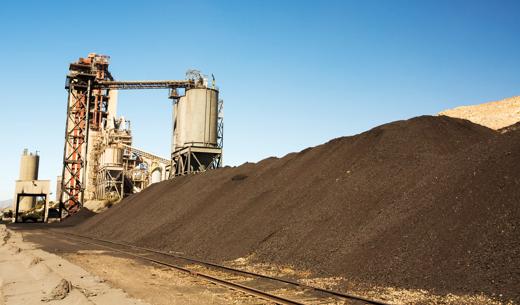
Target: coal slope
{"x": 430, "y": 202}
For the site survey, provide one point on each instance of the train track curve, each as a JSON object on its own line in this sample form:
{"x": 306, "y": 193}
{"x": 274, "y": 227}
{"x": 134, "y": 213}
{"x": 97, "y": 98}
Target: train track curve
{"x": 232, "y": 278}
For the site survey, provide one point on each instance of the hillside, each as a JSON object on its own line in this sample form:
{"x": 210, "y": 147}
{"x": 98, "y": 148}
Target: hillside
{"x": 5, "y": 203}
{"x": 430, "y": 203}
{"x": 494, "y": 115}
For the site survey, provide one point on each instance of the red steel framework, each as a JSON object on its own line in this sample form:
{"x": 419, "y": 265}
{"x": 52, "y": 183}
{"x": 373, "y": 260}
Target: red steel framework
{"x": 88, "y": 84}
{"x": 86, "y": 109}
{"x": 76, "y": 135}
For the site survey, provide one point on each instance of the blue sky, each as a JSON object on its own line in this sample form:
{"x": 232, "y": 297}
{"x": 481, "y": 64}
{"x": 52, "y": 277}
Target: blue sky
{"x": 292, "y": 74}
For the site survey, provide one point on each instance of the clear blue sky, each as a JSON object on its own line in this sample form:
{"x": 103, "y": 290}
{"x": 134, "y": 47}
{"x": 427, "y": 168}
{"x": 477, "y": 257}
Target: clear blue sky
{"x": 292, "y": 74}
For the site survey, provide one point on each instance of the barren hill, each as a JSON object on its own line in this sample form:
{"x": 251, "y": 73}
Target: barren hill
{"x": 5, "y": 203}
{"x": 494, "y": 115}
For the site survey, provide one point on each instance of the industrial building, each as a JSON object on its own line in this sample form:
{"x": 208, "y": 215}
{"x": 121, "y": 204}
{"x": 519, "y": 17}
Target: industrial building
{"x": 100, "y": 161}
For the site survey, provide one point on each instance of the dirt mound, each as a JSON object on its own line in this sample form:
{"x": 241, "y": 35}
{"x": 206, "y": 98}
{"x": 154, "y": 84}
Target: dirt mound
{"x": 495, "y": 115}
{"x": 431, "y": 202}
{"x": 78, "y": 218}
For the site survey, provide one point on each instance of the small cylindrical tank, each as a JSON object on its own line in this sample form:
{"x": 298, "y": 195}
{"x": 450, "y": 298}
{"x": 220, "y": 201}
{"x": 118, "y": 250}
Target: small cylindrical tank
{"x": 113, "y": 156}
{"x": 29, "y": 166}
{"x": 29, "y": 163}
{"x": 197, "y": 118}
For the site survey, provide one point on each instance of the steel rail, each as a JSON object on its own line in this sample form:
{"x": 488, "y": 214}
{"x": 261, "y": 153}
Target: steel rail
{"x": 202, "y": 262}
{"x": 248, "y": 290}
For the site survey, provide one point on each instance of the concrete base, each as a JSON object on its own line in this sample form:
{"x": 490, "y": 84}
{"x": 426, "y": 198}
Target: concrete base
{"x": 25, "y": 195}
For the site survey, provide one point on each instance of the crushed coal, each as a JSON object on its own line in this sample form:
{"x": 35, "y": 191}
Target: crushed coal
{"x": 238, "y": 177}
{"x": 429, "y": 203}
{"x": 78, "y": 218}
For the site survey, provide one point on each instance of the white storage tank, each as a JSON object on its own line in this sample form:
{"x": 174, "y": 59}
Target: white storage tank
{"x": 196, "y": 118}
{"x": 112, "y": 156}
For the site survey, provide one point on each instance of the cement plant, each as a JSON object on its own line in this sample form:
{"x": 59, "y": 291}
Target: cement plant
{"x": 372, "y": 153}
{"x": 100, "y": 165}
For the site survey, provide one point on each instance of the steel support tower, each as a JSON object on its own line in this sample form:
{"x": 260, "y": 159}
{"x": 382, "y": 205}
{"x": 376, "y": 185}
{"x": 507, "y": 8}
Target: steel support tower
{"x": 86, "y": 108}
{"x": 88, "y": 83}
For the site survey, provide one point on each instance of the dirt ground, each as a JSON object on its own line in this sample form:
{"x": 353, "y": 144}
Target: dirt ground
{"x": 137, "y": 282}
{"x": 30, "y": 276}
{"x": 160, "y": 285}
{"x": 389, "y": 294}
{"x": 154, "y": 284}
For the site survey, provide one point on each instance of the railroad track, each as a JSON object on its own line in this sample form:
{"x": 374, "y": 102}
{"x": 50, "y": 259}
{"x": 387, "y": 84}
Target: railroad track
{"x": 268, "y": 288}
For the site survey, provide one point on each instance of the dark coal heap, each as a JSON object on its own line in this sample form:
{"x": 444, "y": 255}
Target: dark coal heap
{"x": 430, "y": 202}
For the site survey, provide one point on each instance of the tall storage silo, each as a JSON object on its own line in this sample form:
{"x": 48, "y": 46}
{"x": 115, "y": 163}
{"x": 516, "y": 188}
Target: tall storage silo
{"x": 29, "y": 163}
{"x": 197, "y": 118}
{"x": 196, "y": 124}
{"x": 29, "y": 166}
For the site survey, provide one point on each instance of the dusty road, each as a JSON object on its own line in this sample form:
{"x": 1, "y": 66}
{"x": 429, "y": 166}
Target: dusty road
{"x": 136, "y": 280}
{"x": 29, "y": 275}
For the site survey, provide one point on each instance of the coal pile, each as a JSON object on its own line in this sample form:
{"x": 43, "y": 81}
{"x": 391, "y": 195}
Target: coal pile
{"x": 78, "y": 218}
{"x": 431, "y": 203}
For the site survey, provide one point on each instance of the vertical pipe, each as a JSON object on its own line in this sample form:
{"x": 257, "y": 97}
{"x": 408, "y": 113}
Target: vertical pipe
{"x": 95, "y": 112}
{"x": 206, "y": 131}
{"x": 45, "y": 207}
{"x": 85, "y": 156}
{"x": 17, "y": 207}
{"x": 173, "y": 127}
{"x": 63, "y": 178}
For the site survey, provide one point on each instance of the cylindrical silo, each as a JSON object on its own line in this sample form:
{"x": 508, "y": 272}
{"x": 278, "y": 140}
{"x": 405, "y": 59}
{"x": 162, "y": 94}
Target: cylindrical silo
{"x": 197, "y": 118}
{"x": 29, "y": 163}
{"x": 113, "y": 156}
{"x": 29, "y": 166}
